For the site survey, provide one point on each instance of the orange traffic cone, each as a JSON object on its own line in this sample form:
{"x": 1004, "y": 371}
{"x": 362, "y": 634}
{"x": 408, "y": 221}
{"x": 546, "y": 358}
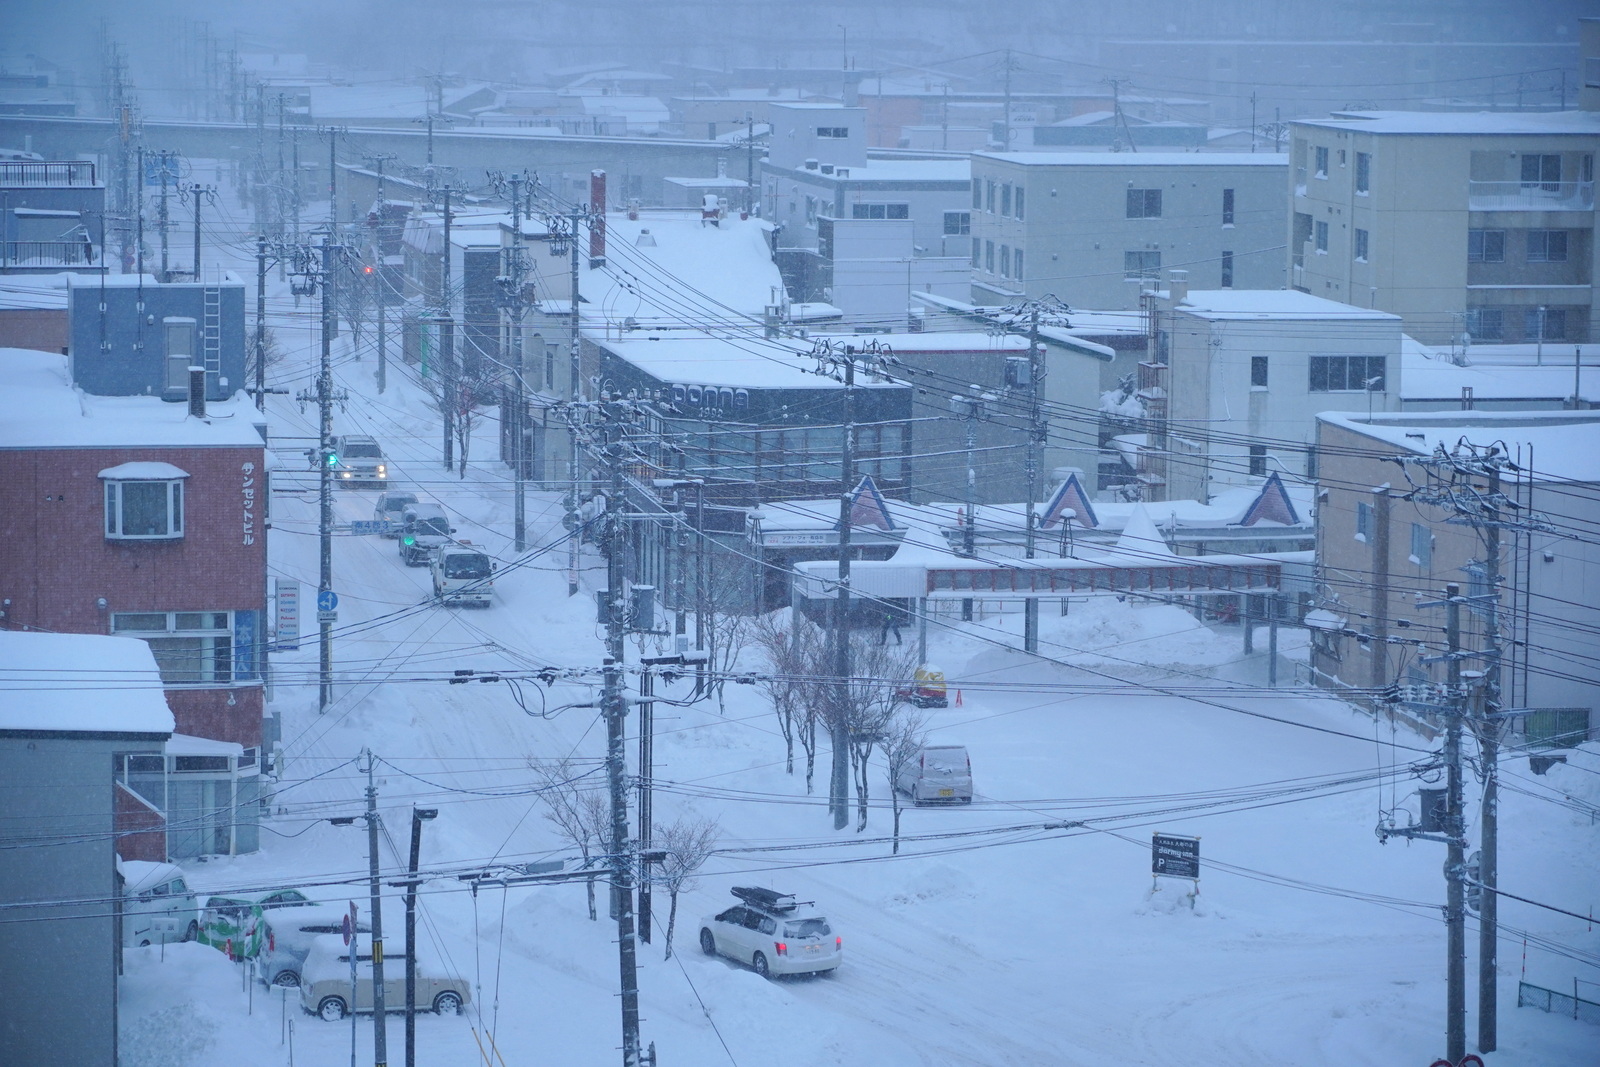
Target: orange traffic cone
{"x": 958, "y": 698}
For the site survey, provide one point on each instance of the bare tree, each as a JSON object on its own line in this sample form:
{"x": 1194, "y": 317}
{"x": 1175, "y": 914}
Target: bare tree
{"x": 466, "y": 420}
{"x": 687, "y": 843}
{"x": 903, "y": 736}
{"x": 871, "y": 702}
{"x": 726, "y": 606}
{"x": 788, "y": 644}
{"x": 578, "y": 809}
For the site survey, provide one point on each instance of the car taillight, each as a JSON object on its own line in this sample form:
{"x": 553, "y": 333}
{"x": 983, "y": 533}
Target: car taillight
{"x": 783, "y": 949}
{"x": 838, "y": 943}
{"x": 272, "y": 941}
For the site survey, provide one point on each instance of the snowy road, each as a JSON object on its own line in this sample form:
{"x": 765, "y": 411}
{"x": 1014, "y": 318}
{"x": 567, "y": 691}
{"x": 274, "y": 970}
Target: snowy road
{"x": 1021, "y": 948}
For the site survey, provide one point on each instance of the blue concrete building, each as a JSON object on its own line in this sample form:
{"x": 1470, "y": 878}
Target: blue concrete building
{"x": 130, "y": 335}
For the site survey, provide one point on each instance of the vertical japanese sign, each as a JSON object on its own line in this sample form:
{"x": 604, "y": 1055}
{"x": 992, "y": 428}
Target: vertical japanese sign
{"x": 248, "y": 471}
{"x": 286, "y": 594}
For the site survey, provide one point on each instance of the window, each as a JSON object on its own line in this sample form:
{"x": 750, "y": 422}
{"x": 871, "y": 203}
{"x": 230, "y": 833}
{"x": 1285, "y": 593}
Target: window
{"x": 977, "y": 196}
{"x": 977, "y": 251}
{"x": 1547, "y": 246}
{"x": 1018, "y": 203}
{"x": 1016, "y": 264}
{"x": 1137, "y": 265}
{"x": 957, "y": 223}
{"x": 1422, "y": 546}
{"x": 1544, "y": 324}
{"x": 1348, "y": 374}
{"x": 1299, "y": 166}
{"x": 1363, "y": 173}
{"x": 1543, "y": 171}
{"x": 836, "y": 132}
{"x": 1258, "y": 460}
{"x": 880, "y": 211}
{"x": 1005, "y": 261}
{"x": 1363, "y": 521}
{"x": 1005, "y": 198}
{"x": 1322, "y": 236}
{"x": 1362, "y": 245}
{"x": 1322, "y": 162}
{"x": 1258, "y": 372}
{"x": 1144, "y": 203}
{"x": 1486, "y": 324}
{"x": 1486, "y": 246}
{"x": 144, "y": 502}
{"x": 1227, "y": 270}
{"x": 190, "y": 647}
{"x": 988, "y": 256}
{"x": 811, "y": 212}
{"x": 988, "y": 196}
{"x": 1341, "y": 157}
{"x": 1227, "y": 207}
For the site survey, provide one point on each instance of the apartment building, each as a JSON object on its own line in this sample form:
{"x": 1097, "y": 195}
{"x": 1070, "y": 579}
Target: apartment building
{"x": 1462, "y": 224}
{"x": 1097, "y": 229}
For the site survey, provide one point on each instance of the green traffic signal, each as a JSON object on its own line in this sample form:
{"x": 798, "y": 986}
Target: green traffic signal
{"x": 409, "y": 540}
{"x": 333, "y": 458}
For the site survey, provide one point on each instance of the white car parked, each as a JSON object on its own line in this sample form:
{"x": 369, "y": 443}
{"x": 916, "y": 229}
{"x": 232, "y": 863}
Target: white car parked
{"x": 157, "y": 904}
{"x": 774, "y": 933}
{"x": 325, "y": 980}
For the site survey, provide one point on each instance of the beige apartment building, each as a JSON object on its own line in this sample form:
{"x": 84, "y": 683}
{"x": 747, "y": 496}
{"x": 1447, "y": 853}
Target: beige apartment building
{"x": 1463, "y": 224}
{"x": 1098, "y": 228}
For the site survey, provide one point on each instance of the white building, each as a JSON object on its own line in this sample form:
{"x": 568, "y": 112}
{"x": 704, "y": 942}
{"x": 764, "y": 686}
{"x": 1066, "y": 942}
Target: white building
{"x": 1095, "y": 229}
{"x": 1240, "y": 375}
{"x": 1479, "y": 223}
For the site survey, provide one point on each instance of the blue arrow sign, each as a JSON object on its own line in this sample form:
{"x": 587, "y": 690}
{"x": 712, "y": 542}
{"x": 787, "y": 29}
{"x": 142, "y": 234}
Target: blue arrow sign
{"x": 327, "y": 600}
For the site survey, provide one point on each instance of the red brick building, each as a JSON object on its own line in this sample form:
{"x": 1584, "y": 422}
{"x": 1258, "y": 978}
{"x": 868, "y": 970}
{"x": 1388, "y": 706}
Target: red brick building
{"x": 129, "y": 516}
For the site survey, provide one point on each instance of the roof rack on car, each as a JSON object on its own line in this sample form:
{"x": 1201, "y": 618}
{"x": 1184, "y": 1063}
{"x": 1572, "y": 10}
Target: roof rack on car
{"x": 767, "y": 898}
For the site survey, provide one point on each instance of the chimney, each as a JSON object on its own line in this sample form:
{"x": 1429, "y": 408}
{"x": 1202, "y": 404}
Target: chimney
{"x": 197, "y": 392}
{"x": 1178, "y": 286}
{"x": 597, "y": 228}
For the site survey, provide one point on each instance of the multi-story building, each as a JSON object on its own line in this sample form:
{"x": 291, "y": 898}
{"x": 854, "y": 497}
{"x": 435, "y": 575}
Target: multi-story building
{"x": 1384, "y": 553}
{"x": 134, "y": 336}
{"x": 1479, "y": 224}
{"x": 71, "y": 707}
{"x": 1096, "y": 229}
{"x": 817, "y": 169}
{"x": 137, "y": 518}
{"x": 1237, "y": 378}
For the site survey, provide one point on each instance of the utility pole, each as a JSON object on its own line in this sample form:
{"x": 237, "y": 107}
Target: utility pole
{"x": 1455, "y": 832}
{"x": 647, "y": 762}
{"x": 969, "y": 409}
{"x": 333, "y": 178}
{"x": 512, "y": 294}
{"x": 447, "y": 344}
{"x": 261, "y": 322}
{"x": 378, "y": 294}
{"x": 750, "y": 163}
{"x": 199, "y": 192}
{"x": 614, "y": 704}
{"x": 138, "y": 237}
{"x": 1006, "y": 120}
{"x": 380, "y": 1028}
{"x": 576, "y": 392}
{"x": 1036, "y": 438}
{"x": 162, "y": 218}
{"x": 304, "y": 282}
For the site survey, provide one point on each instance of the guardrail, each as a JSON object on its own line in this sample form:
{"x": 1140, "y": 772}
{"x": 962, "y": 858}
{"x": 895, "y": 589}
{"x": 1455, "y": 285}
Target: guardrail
{"x": 35, "y": 173}
{"x": 47, "y": 253}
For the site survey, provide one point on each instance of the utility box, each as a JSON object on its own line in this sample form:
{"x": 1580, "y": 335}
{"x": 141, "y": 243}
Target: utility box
{"x": 1435, "y": 810}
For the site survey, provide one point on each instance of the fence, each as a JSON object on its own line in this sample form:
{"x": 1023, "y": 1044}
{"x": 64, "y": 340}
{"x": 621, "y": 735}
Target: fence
{"x": 1532, "y": 996}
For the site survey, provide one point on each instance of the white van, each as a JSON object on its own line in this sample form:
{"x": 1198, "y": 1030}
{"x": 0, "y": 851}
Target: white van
{"x": 937, "y": 774}
{"x": 157, "y": 904}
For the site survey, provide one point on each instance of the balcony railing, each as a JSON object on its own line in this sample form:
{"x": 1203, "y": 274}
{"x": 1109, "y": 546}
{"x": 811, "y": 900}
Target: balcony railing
{"x": 1530, "y": 196}
{"x": 34, "y": 173}
{"x": 47, "y": 254}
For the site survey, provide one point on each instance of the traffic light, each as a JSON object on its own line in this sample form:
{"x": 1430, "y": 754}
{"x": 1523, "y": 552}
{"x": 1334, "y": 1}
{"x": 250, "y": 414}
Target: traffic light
{"x": 331, "y": 456}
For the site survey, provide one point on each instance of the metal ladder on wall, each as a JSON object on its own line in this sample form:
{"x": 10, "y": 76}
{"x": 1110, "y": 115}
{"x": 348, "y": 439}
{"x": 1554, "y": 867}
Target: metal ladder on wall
{"x": 211, "y": 331}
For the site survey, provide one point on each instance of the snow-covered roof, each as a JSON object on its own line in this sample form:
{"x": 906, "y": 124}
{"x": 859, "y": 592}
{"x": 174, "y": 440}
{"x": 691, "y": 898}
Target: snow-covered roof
{"x": 1429, "y": 374}
{"x": 144, "y": 471}
{"x": 689, "y": 266}
{"x": 1139, "y": 159}
{"x": 1224, "y": 304}
{"x": 81, "y": 683}
{"x": 935, "y": 341}
{"x": 41, "y": 408}
{"x": 1565, "y": 445}
{"x": 33, "y": 292}
{"x": 187, "y": 745}
{"x": 695, "y": 358}
{"x": 1510, "y": 123}
{"x": 897, "y": 170}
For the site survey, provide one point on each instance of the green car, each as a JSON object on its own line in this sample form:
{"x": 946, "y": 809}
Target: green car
{"x": 233, "y": 924}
